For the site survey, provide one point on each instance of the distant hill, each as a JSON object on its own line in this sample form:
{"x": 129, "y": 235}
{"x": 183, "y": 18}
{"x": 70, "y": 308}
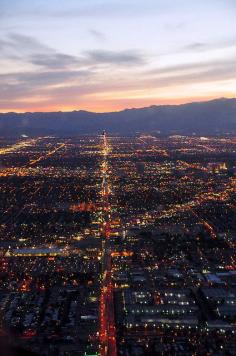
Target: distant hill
{"x": 211, "y": 117}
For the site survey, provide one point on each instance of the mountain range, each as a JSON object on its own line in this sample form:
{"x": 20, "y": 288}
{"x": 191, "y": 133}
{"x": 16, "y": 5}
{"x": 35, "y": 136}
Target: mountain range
{"x": 209, "y": 117}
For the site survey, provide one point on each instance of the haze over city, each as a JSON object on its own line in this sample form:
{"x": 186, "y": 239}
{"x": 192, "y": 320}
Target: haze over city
{"x": 104, "y": 55}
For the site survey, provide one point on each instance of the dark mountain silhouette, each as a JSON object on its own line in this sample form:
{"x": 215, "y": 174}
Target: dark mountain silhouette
{"x": 211, "y": 117}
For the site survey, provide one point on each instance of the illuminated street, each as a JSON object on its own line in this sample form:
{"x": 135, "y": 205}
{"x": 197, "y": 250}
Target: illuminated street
{"x": 107, "y": 320}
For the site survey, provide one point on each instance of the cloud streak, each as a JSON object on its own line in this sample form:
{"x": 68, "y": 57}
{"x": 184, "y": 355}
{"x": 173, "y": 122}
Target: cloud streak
{"x": 113, "y": 57}
{"x": 69, "y": 86}
{"x": 32, "y": 50}
{"x": 97, "y": 35}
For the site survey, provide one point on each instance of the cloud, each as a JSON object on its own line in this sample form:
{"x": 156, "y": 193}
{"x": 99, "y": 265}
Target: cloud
{"x": 68, "y": 85}
{"x": 207, "y": 46}
{"x": 54, "y": 60}
{"x": 193, "y": 67}
{"x": 62, "y": 87}
{"x": 114, "y": 57}
{"x": 196, "y": 46}
{"x": 26, "y": 84}
{"x": 55, "y": 75}
{"x": 22, "y": 48}
{"x": 21, "y": 44}
{"x": 87, "y": 59}
{"x": 30, "y": 50}
{"x": 97, "y": 35}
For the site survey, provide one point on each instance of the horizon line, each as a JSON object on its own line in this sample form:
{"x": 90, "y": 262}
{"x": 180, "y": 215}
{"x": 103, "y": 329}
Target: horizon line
{"x": 119, "y": 110}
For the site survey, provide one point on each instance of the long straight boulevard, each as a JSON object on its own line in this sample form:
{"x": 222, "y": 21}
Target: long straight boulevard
{"x": 107, "y": 320}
